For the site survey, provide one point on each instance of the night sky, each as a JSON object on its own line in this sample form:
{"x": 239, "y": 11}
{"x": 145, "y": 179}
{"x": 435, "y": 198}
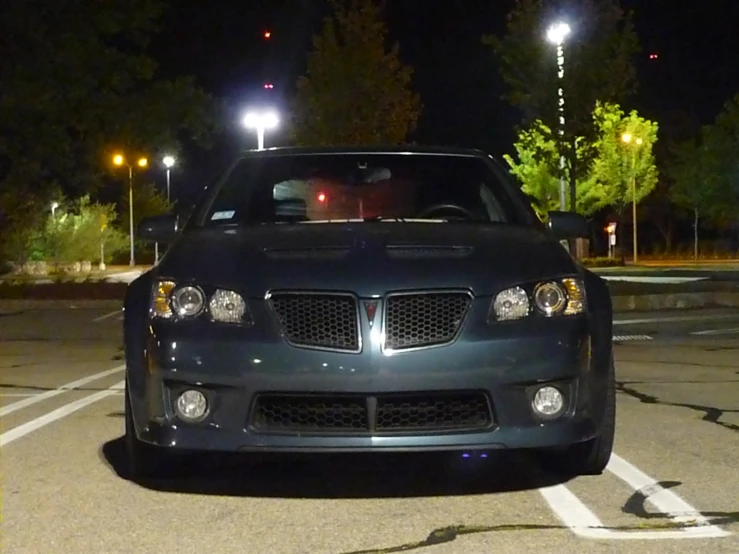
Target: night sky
{"x": 455, "y": 74}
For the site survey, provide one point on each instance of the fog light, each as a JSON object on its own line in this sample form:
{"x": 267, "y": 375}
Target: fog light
{"x": 548, "y": 402}
{"x": 191, "y": 405}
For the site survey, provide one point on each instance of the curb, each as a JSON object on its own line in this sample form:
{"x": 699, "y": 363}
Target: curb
{"x": 624, "y": 303}
{"x": 675, "y": 301}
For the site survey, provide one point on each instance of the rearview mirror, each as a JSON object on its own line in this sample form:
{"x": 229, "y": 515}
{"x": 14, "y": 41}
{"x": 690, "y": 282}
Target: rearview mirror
{"x": 158, "y": 228}
{"x": 568, "y": 225}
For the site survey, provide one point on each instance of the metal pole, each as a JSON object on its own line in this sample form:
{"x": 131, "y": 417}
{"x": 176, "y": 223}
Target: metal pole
{"x": 167, "y": 185}
{"x": 560, "y": 93}
{"x": 260, "y": 137}
{"x": 633, "y": 184}
{"x": 130, "y": 212}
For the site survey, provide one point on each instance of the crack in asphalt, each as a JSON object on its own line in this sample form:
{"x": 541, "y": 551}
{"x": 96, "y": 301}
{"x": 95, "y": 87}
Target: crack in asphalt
{"x": 449, "y": 534}
{"x": 711, "y": 414}
{"x": 635, "y": 505}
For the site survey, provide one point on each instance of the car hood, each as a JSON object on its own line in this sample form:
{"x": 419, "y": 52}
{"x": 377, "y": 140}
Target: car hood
{"x": 366, "y": 258}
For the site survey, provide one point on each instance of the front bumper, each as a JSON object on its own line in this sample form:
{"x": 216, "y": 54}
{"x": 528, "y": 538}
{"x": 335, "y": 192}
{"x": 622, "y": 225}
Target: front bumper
{"x": 234, "y": 371}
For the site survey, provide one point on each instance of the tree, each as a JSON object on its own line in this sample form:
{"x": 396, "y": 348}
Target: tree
{"x": 78, "y": 231}
{"x": 77, "y": 83}
{"x": 598, "y": 66}
{"x": 537, "y": 171}
{"x": 598, "y": 60}
{"x": 704, "y": 171}
{"x": 624, "y": 166}
{"x": 355, "y": 91}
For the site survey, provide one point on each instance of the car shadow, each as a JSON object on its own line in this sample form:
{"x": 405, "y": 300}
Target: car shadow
{"x": 388, "y": 475}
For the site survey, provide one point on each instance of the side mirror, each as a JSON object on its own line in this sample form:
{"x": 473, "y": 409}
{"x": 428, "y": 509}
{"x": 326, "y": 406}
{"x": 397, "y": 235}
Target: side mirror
{"x": 158, "y": 228}
{"x": 568, "y": 225}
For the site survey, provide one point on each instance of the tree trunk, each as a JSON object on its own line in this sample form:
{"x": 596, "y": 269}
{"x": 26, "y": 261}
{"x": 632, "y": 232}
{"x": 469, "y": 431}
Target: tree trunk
{"x": 695, "y": 235}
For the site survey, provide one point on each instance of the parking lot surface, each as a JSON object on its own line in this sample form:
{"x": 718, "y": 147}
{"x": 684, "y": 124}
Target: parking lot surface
{"x": 672, "y": 486}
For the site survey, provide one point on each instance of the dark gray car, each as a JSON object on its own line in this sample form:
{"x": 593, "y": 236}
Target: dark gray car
{"x": 394, "y": 299}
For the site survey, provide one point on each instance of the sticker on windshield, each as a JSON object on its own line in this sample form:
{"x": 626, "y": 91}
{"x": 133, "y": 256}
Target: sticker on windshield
{"x": 222, "y": 215}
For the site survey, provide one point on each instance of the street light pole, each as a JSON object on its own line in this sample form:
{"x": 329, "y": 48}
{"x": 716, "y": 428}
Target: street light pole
{"x": 626, "y": 138}
{"x": 557, "y": 34}
{"x": 132, "y": 261}
{"x": 260, "y": 122}
{"x": 119, "y": 160}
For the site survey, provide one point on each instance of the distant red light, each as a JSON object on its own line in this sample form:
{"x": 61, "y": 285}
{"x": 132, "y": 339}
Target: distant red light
{"x": 267, "y": 34}
{"x": 269, "y": 86}
{"x": 653, "y": 56}
{"x": 321, "y": 197}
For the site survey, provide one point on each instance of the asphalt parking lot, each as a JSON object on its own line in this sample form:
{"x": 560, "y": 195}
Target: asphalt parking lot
{"x": 673, "y": 485}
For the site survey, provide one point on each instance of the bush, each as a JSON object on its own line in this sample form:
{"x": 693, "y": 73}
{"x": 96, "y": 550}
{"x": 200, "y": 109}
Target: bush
{"x": 77, "y": 236}
{"x": 603, "y": 262}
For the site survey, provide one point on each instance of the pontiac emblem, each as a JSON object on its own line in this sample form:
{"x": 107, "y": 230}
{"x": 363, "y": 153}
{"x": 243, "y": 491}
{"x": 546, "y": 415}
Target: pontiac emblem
{"x": 370, "y": 309}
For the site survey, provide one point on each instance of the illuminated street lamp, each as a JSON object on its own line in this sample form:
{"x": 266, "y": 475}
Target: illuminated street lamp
{"x": 119, "y": 160}
{"x": 627, "y": 139}
{"x": 169, "y": 162}
{"x": 261, "y": 121}
{"x": 557, "y": 34}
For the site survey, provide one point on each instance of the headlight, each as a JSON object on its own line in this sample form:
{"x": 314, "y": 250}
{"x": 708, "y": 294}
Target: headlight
{"x": 511, "y": 304}
{"x": 548, "y": 298}
{"x": 188, "y": 301}
{"x": 227, "y": 306}
{"x": 172, "y": 301}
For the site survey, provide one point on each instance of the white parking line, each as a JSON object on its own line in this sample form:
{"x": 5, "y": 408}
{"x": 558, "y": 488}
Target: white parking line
{"x": 39, "y": 422}
{"x": 10, "y": 408}
{"x": 16, "y": 394}
{"x": 106, "y": 316}
{"x": 717, "y": 331}
{"x": 584, "y": 523}
{"x": 675, "y": 318}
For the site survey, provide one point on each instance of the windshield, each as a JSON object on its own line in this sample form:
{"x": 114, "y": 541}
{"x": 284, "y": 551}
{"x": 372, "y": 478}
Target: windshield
{"x": 324, "y": 188}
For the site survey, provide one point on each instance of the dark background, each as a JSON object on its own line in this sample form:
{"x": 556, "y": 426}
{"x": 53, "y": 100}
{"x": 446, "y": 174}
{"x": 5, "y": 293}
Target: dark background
{"x": 221, "y": 43}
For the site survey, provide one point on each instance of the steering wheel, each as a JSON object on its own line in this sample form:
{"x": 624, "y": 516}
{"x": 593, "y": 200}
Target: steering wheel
{"x": 458, "y": 212}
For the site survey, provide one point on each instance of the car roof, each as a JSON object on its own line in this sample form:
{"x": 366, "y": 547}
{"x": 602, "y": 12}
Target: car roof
{"x": 380, "y": 149}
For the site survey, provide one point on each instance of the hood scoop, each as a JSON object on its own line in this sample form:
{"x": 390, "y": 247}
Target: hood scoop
{"x": 310, "y": 253}
{"x": 410, "y": 252}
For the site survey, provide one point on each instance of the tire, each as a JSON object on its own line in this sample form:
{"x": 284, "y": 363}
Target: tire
{"x": 590, "y": 457}
{"x": 143, "y": 460}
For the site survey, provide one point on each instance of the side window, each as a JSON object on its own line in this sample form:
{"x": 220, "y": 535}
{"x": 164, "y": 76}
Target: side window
{"x": 493, "y": 207}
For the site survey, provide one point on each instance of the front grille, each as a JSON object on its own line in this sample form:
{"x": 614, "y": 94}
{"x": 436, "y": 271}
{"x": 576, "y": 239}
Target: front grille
{"x": 379, "y": 414}
{"x": 318, "y": 320}
{"x": 424, "y": 319}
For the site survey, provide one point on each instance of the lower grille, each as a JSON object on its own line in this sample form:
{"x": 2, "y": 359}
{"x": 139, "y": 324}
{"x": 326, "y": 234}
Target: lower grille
{"x": 378, "y": 414}
{"x": 424, "y": 319}
{"x": 318, "y": 320}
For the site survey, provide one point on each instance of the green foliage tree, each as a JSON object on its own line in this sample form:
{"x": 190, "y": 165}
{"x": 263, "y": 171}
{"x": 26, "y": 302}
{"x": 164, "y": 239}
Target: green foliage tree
{"x": 77, "y": 82}
{"x": 148, "y": 200}
{"x": 704, "y": 171}
{"x": 537, "y": 169}
{"x": 604, "y": 180}
{"x": 79, "y": 231}
{"x": 624, "y": 166}
{"x": 599, "y": 56}
{"x": 355, "y": 91}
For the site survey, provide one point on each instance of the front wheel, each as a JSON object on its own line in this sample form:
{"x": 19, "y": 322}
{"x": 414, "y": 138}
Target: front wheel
{"x": 590, "y": 457}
